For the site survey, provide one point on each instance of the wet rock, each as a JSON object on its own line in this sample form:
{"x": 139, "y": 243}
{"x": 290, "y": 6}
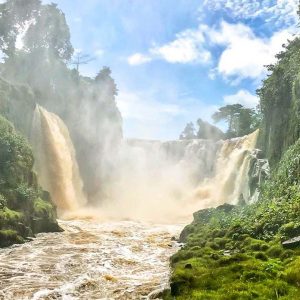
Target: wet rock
{"x": 225, "y": 207}
{"x": 292, "y": 243}
{"x": 45, "y": 225}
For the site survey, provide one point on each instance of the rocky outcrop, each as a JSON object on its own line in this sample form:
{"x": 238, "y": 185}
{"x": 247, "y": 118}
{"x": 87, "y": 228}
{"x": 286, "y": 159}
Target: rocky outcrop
{"x": 292, "y": 243}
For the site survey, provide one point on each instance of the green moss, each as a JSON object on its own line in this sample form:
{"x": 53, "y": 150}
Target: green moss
{"x": 261, "y": 256}
{"x": 43, "y": 208}
{"x": 275, "y": 251}
{"x": 292, "y": 272}
{"x": 9, "y": 217}
{"x": 8, "y": 237}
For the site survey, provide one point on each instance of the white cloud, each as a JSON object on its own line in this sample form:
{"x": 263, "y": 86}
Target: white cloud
{"x": 186, "y": 48}
{"x": 243, "y": 97}
{"x": 245, "y": 54}
{"x": 280, "y": 12}
{"x": 138, "y": 59}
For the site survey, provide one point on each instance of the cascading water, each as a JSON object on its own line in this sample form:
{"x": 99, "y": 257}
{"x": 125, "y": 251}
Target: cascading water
{"x": 230, "y": 182}
{"x": 167, "y": 181}
{"x": 55, "y": 160}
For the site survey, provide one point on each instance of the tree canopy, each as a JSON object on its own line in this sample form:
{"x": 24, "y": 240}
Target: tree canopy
{"x": 241, "y": 121}
{"x": 188, "y": 132}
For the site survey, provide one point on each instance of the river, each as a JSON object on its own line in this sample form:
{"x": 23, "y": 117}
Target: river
{"x": 90, "y": 260}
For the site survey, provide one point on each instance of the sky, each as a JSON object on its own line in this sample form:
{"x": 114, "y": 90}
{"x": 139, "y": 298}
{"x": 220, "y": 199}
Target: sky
{"x": 177, "y": 61}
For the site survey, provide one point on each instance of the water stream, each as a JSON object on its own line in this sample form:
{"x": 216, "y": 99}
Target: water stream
{"x": 90, "y": 260}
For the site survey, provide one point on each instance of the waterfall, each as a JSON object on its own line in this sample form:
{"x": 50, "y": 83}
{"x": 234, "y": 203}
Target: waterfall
{"x": 165, "y": 180}
{"x": 55, "y": 160}
{"x": 230, "y": 183}
{"x": 149, "y": 180}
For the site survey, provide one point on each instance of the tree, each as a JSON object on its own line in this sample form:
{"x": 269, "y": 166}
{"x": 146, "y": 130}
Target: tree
{"x": 106, "y": 83}
{"x": 14, "y": 15}
{"x": 229, "y": 114}
{"x": 188, "y": 132}
{"x": 208, "y": 131}
{"x": 31, "y": 27}
{"x": 81, "y": 59}
{"x": 241, "y": 120}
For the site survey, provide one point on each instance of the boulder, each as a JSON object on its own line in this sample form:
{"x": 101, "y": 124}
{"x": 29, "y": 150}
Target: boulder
{"x": 292, "y": 243}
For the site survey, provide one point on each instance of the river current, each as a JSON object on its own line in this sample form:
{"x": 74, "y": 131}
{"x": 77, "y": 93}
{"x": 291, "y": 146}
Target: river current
{"x": 90, "y": 260}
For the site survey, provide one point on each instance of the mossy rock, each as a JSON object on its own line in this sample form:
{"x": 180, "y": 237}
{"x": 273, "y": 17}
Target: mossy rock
{"x": 9, "y": 236}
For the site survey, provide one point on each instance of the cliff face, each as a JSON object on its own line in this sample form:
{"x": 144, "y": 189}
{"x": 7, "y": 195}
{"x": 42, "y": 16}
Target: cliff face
{"x": 25, "y": 209}
{"x": 280, "y": 104}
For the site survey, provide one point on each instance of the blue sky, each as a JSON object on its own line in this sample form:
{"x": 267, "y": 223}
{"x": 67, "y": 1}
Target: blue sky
{"x": 176, "y": 61}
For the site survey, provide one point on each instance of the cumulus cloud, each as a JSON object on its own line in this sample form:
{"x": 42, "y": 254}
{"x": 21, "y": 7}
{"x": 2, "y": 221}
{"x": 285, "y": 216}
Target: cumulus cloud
{"x": 186, "y": 48}
{"x": 245, "y": 54}
{"x": 242, "y": 97}
{"x": 138, "y": 59}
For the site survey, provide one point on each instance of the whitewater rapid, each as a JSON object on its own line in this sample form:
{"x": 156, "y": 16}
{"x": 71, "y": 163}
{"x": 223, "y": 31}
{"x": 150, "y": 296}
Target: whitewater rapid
{"x": 90, "y": 260}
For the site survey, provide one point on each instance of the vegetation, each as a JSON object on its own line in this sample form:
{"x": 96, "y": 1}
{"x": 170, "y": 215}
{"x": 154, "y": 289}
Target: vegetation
{"x": 241, "y": 121}
{"x": 188, "y": 132}
{"x": 205, "y": 131}
{"x": 24, "y": 208}
{"x": 235, "y": 252}
{"x": 280, "y": 103}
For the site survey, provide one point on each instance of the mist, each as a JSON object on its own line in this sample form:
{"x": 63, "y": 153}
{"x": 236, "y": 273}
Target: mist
{"x": 144, "y": 180}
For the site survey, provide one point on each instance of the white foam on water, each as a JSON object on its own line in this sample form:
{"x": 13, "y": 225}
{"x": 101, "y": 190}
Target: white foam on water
{"x": 90, "y": 260}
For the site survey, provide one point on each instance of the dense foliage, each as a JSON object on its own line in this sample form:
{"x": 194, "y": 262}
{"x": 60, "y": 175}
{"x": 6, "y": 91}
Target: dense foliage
{"x": 24, "y": 208}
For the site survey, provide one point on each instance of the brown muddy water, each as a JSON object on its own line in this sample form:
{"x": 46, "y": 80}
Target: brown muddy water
{"x": 90, "y": 260}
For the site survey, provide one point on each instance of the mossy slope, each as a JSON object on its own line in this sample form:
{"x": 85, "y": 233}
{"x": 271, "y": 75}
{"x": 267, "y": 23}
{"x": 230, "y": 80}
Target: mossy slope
{"x": 25, "y": 209}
